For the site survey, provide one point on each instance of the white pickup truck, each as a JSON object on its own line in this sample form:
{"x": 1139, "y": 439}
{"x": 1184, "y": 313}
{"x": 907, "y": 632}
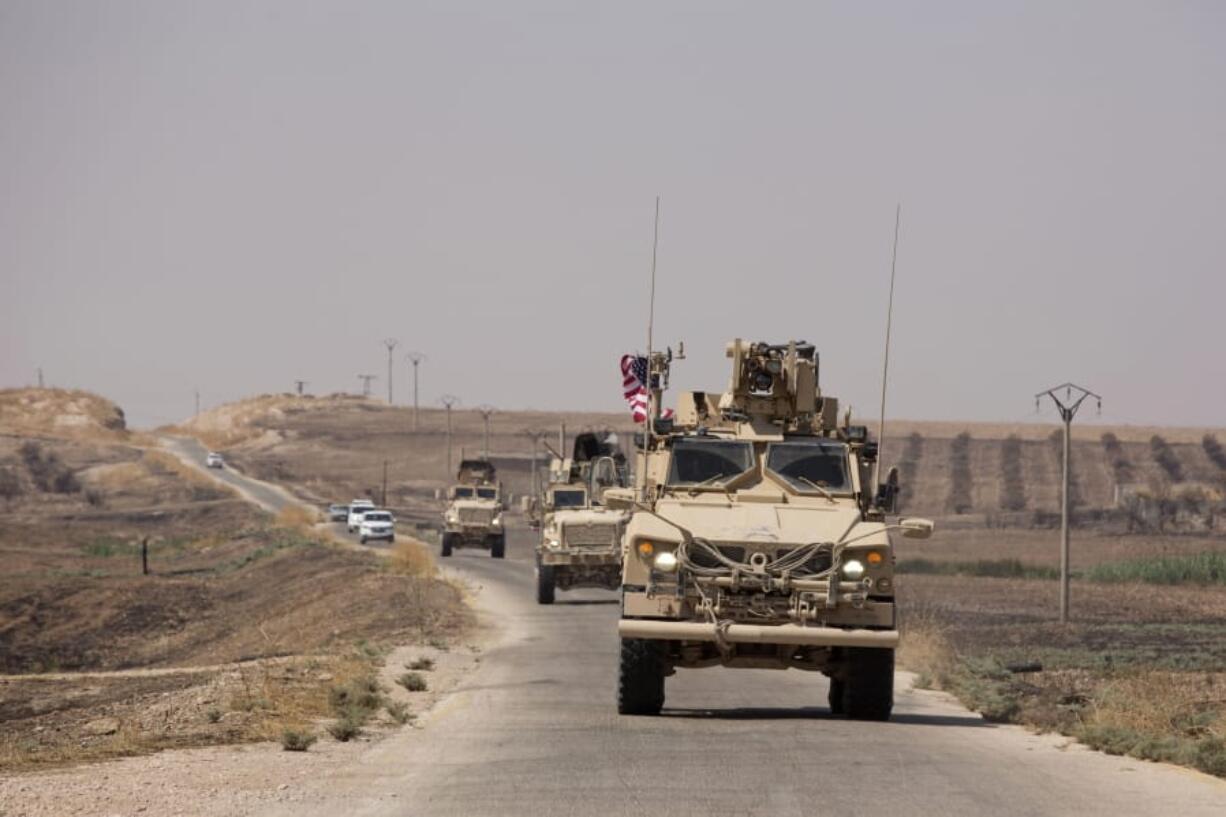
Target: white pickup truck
{"x": 377, "y": 525}
{"x": 357, "y": 508}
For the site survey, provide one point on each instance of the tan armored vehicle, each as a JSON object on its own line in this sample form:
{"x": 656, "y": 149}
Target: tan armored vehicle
{"x": 473, "y": 518}
{"x": 581, "y": 539}
{"x": 756, "y": 538}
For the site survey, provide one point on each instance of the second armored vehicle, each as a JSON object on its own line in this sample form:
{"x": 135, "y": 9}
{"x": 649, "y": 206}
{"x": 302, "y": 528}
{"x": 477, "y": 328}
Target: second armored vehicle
{"x": 580, "y": 538}
{"x": 473, "y": 517}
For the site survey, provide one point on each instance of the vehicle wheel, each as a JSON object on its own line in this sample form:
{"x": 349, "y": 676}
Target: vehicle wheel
{"x": 868, "y": 689}
{"x": 640, "y": 677}
{"x": 391, "y": 539}
{"x": 362, "y": 539}
{"x": 835, "y": 696}
{"x": 544, "y": 584}
{"x": 498, "y": 548}
{"x": 446, "y": 544}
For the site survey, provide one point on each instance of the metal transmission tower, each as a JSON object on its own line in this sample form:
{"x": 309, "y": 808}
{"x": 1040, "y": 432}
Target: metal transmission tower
{"x": 486, "y": 411}
{"x": 1074, "y": 396}
{"x": 415, "y": 358}
{"x": 391, "y": 344}
{"x": 536, "y": 435}
{"x": 447, "y": 401}
{"x": 366, "y": 380}
{"x": 300, "y": 385}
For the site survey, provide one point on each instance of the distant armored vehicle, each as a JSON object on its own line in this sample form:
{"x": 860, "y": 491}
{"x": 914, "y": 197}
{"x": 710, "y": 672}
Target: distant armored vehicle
{"x": 581, "y": 540}
{"x": 757, "y": 539}
{"x": 473, "y": 517}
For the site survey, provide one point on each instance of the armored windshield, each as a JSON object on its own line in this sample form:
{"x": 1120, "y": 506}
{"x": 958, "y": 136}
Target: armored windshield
{"x": 808, "y": 466}
{"x": 463, "y": 493}
{"x": 487, "y": 493}
{"x": 698, "y": 461}
{"x": 569, "y": 498}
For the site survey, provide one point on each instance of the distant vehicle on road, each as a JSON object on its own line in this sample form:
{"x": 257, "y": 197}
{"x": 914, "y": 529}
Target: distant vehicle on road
{"x": 474, "y": 510}
{"x": 338, "y": 513}
{"x": 357, "y": 508}
{"x": 214, "y": 460}
{"x": 377, "y": 524}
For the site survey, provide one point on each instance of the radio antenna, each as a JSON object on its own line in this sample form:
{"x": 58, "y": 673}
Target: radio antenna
{"x": 889, "y": 320}
{"x": 651, "y": 322}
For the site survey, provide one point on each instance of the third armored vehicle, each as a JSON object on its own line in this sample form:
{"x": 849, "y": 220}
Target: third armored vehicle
{"x": 581, "y": 540}
{"x": 474, "y": 510}
{"x": 757, "y": 538}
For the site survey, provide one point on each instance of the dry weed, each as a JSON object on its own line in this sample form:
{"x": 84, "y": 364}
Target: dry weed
{"x": 297, "y": 517}
{"x": 411, "y": 558}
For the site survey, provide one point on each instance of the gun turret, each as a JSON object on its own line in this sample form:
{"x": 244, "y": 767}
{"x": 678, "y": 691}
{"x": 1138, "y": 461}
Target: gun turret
{"x": 775, "y": 383}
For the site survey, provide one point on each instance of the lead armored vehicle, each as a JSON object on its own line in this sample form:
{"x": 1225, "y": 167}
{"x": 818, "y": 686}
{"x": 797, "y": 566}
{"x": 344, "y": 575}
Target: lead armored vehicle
{"x": 473, "y": 518}
{"x": 758, "y": 539}
{"x": 581, "y": 539}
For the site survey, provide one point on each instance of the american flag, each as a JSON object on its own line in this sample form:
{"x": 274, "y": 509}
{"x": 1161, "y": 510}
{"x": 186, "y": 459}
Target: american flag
{"x": 634, "y": 387}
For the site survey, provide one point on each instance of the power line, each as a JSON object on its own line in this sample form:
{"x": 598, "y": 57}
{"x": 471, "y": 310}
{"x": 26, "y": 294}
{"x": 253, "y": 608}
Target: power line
{"x": 486, "y": 411}
{"x": 447, "y": 401}
{"x": 391, "y": 344}
{"x": 300, "y": 385}
{"x": 366, "y": 380}
{"x": 415, "y": 358}
{"x": 1074, "y": 396}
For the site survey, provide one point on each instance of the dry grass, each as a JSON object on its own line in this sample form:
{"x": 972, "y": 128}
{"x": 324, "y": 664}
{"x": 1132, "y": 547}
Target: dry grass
{"x": 62, "y": 413}
{"x": 297, "y": 517}
{"x": 411, "y": 558}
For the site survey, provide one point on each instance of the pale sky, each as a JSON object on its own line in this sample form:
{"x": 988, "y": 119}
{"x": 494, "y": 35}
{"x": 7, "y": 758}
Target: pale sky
{"x": 232, "y": 196}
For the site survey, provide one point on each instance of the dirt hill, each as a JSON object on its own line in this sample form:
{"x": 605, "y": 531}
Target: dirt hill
{"x": 67, "y": 413}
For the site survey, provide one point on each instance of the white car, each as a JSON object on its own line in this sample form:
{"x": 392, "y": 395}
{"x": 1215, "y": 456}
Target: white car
{"x": 356, "y": 509}
{"x": 213, "y": 460}
{"x": 377, "y": 525}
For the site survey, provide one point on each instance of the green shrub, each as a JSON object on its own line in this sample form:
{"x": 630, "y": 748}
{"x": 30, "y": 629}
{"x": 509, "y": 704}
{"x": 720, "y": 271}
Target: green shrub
{"x": 991, "y": 568}
{"x": 398, "y": 712}
{"x": 345, "y": 729}
{"x": 413, "y": 681}
{"x": 294, "y": 741}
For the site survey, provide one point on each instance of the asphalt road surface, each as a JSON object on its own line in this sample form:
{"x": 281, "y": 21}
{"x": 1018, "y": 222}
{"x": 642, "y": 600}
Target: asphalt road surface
{"x": 535, "y": 731}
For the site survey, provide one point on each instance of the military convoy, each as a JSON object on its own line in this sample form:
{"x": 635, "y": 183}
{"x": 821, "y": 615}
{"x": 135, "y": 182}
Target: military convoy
{"x": 757, "y": 538}
{"x": 581, "y": 539}
{"x": 473, "y": 518}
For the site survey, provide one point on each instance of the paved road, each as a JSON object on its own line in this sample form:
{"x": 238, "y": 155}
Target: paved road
{"x": 271, "y": 498}
{"x": 535, "y": 732}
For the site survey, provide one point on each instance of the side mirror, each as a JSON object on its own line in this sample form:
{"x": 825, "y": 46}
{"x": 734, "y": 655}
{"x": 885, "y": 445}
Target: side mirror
{"x": 916, "y": 528}
{"x": 887, "y": 493}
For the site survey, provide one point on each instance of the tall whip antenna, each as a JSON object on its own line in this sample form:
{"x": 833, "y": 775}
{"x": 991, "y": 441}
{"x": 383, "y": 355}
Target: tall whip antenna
{"x": 651, "y": 322}
{"x": 889, "y": 320}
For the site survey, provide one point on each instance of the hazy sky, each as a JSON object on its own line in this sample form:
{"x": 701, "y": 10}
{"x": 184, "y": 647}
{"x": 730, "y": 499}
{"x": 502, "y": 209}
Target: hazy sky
{"x": 235, "y": 195}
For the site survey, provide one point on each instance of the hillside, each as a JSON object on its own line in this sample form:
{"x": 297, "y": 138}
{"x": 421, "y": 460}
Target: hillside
{"x": 66, "y": 413}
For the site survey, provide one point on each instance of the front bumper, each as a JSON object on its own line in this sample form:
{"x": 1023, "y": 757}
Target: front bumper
{"x": 580, "y": 557}
{"x": 756, "y": 634}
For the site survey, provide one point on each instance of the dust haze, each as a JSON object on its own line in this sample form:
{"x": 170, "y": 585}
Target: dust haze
{"x": 234, "y": 196}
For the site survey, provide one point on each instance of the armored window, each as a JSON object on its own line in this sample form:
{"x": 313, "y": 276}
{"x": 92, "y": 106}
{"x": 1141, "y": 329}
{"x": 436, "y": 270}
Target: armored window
{"x": 569, "y": 498}
{"x": 463, "y": 493}
{"x": 699, "y": 461}
{"x": 487, "y": 493}
{"x": 807, "y": 466}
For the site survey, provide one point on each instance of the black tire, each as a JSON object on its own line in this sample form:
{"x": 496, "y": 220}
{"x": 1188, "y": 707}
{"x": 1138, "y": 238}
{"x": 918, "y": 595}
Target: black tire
{"x": 446, "y": 544}
{"x": 391, "y": 540}
{"x": 640, "y": 677}
{"x": 868, "y": 689}
{"x": 362, "y": 539}
{"x": 544, "y": 584}
{"x": 835, "y": 696}
{"x": 498, "y": 546}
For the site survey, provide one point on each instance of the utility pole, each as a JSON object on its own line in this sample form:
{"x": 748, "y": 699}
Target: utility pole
{"x": 415, "y": 358}
{"x": 535, "y": 435}
{"x": 40, "y": 379}
{"x": 562, "y": 439}
{"x": 197, "y": 414}
{"x": 366, "y": 379}
{"x": 1074, "y": 396}
{"x": 486, "y": 411}
{"x": 300, "y": 385}
{"x": 391, "y": 344}
{"x": 449, "y": 400}
{"x": 383, "y": 502}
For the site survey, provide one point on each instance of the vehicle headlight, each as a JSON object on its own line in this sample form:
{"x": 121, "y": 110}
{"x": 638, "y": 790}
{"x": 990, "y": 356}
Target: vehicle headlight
{"x": 853, "y": 569}
{"x": 552, "y": 543}
{"x": 666, "y": 561}
{"x": 498, "y": 521}
{"x": 453, "y": 518}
